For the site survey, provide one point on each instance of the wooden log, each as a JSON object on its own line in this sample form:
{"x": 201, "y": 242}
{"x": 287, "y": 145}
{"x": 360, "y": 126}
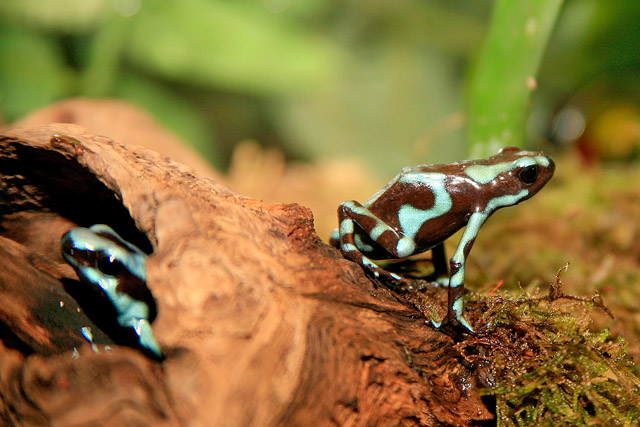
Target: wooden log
{"x": 261, "y": 322}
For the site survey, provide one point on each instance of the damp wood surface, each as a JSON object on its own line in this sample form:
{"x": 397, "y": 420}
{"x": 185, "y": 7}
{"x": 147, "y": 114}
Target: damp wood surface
{"x": 261, "y": 322}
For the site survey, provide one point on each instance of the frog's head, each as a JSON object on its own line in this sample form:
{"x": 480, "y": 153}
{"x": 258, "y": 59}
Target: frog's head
{"x": 101, "y": 257}
{"x": 511, "y": 176}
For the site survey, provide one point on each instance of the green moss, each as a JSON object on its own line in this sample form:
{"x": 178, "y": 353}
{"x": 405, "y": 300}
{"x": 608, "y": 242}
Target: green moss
{"x": 544, "y": 367}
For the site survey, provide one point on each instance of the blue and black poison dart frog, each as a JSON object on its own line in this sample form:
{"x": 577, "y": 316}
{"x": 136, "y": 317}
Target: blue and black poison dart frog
{"x": 426, "y": 204}
{"x": 103, "y": 259}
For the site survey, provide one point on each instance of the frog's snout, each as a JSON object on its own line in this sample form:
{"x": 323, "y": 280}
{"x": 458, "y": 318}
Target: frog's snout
{"x": 71, "y": 252}
{"x": 552, "y": 164}
{"x": 66, "y": 245}
{"x": 550, "y": 168}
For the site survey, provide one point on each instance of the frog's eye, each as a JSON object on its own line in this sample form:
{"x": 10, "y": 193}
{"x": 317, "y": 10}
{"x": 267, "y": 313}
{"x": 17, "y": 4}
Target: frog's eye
{"x": 109, "y": 265}
{"x": 529, "y": 174}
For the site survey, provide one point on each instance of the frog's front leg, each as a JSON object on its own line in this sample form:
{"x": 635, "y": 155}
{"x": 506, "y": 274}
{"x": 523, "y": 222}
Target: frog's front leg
{"x": 455, "y": 306}
{"x": 395, "y": 243}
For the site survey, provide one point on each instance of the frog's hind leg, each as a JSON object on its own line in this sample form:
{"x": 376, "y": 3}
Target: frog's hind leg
{"x": 440, "y": 265}
{"x": 351, "y": 251}
{"x": 334, "y": 239}
{"x": 385, "y": 238}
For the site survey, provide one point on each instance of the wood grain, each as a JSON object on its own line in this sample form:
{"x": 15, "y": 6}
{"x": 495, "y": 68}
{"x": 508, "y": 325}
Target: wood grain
{"x": 262, "y": 323}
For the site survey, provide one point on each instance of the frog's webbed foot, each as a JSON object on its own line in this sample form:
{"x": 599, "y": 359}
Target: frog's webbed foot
{"x": 395, "y": 281}
{"x": 441, "y": 281}
{"x": 456, "y": 322}
{"x": 455, "y": 316}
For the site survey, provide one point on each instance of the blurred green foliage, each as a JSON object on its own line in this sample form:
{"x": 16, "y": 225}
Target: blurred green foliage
{"x": 380, "y": 80}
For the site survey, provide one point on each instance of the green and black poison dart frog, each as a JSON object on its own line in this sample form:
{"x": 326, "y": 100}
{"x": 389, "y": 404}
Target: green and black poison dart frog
{"x": 102, "y": 258}
{"x": 426, "y": 204}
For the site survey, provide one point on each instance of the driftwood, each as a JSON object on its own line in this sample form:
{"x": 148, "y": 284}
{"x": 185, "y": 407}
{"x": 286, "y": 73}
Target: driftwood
{"x": 261, "y": 322}
{"x": 121, "y": 121}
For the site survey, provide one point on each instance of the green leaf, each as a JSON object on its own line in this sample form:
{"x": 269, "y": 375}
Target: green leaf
{"x": 505, "y": 74}
{"x": 66, "y": 16}
{"x": 230, "y": 45}
{"x": 103, "y": 57}
{"x": 32, "y": 72}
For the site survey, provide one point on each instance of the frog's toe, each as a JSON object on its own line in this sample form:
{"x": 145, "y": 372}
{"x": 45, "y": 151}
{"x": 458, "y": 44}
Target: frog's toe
{"x": 458, "y": 318}
{"x": 146, "y": 338}
{"x": 453, "y": 322}
{"x": 441, "y": 282}
{"x": 396, "y": 277}
{"x": 466, "y": 325}
{"x": 394, "y": 281}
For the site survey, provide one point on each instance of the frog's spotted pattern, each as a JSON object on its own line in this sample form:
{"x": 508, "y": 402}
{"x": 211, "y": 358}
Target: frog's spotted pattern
{"x": 424, "y": 205}
{"x": 102, "y": 258}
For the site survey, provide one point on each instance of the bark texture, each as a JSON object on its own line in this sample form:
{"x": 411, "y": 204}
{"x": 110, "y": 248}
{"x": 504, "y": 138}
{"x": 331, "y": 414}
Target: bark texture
{"x": 261, "y": 322}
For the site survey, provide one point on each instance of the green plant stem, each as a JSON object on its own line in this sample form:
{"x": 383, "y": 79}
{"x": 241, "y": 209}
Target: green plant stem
{"x": 101, "y": 70}
{"x": 505, "y": 73}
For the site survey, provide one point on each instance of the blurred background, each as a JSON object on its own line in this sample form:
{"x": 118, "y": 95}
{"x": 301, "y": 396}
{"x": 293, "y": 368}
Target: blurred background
{"x": 383, "y": 81}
